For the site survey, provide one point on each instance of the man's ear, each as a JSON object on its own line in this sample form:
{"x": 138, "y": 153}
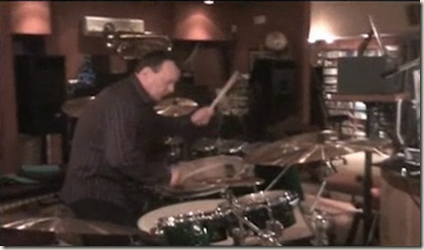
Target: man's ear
{"x": 146, "y": 71}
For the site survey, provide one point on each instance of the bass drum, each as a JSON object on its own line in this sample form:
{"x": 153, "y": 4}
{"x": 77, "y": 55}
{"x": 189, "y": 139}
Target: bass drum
{"x": 194, "y": 223}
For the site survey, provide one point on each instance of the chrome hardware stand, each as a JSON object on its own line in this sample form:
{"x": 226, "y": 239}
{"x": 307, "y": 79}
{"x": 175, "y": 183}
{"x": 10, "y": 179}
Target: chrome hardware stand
{"x": 267, "y": 236}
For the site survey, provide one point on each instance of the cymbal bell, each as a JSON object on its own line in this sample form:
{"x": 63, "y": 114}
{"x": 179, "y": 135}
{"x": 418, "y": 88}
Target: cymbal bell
{"x": 175, "y": 107}
{"x": 75, "y": 107}
{"x": 70, "y": 226}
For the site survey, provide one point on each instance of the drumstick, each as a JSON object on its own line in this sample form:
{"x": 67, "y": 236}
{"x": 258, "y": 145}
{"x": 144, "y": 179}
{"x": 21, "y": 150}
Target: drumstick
{"x": 225, "y": 89}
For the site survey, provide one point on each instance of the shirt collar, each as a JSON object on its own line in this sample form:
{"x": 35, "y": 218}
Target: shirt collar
{"x": 141, "y": 91}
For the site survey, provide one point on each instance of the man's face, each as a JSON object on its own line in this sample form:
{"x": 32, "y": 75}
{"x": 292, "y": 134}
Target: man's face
{"x": 163, "y": 81}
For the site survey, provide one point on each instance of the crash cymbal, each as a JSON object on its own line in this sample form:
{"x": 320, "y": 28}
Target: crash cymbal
{"x": 305, "y": 148}
{"x": 175, "y": 107}
{"x": 70, "y": 226}
{"x": 75, "y": 107}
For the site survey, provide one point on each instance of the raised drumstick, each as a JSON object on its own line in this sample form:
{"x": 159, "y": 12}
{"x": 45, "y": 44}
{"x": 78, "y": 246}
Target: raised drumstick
{"x": 225, "y": 89}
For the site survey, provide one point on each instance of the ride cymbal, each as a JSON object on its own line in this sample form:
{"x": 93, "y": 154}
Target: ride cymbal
{"x": 175, "y": 107}
{"x": 301, "y": 149}
{"x": 310, "y": 147}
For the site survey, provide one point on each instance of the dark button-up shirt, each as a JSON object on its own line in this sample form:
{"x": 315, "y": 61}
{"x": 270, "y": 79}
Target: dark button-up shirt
{"x": 114, "y": 145}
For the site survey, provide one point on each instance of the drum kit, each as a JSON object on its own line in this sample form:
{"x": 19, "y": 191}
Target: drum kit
{"x": 230, "y": 220}
{"x": 264, "y": 215}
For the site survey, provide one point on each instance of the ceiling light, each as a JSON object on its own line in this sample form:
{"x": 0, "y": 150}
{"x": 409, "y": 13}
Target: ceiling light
{"x": 208, "y": 2}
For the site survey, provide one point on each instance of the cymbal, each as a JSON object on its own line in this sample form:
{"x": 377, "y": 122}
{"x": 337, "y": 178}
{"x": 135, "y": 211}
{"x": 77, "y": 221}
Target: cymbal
{"x": 241, "y": 181}
{"x": 375, "y": 145}
{"x": 175, "y": 107}
{"x": 75, "y": 107}
{"x": 301, "y": 149}
{"x": 70, "y": 226}
{"x": 188, "y": 191}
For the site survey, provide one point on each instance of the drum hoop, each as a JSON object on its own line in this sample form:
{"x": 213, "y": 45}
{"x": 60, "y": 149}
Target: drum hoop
{"x": 146, "y": 222}
{"x": 285, "y": 198}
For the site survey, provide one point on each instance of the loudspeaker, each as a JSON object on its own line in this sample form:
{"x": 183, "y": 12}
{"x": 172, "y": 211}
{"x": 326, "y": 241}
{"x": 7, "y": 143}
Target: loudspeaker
{"x": 271, "y": 98}
{"x": 363, "y": 76}
{"x": 40, "y": 89}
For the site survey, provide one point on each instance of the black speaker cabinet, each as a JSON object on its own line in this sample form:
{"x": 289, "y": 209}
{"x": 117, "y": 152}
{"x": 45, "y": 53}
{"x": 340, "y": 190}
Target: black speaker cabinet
{"x": 40, "y": 89}
{"x": 363, "y": 76}
{"x": 271, "y": 93}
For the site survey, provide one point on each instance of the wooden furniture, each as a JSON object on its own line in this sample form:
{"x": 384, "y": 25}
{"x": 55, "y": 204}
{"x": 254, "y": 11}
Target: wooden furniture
{"x": 400, "y": 218}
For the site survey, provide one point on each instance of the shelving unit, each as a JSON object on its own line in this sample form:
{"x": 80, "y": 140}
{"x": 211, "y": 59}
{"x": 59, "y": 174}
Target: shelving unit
{"x": 327, "y": 58}
{"x": 354, "y": 126}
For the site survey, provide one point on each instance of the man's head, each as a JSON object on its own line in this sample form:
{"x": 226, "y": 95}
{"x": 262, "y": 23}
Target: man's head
{"x": 158, "y": 72}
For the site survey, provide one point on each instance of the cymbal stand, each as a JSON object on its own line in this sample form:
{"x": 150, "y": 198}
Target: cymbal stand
{"x": 279, "y": 176}
{"x": 331, "y": 170}
{"x": 267, "y": 236}
{"x": 319, "y": 221}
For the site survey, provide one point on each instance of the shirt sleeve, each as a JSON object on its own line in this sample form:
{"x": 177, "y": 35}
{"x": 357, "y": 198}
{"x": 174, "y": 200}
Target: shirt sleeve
{"x": 125, "y": 145}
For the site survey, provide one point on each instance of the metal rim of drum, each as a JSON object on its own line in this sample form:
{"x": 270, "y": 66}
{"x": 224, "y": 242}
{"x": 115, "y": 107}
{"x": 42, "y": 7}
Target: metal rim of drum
{"x": 190, "y": 217}
{"x": 277, "y": 197}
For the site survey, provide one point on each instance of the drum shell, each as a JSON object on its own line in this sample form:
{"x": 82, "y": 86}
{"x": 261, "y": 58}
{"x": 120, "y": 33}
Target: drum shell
{"x": 216, "y": 225}
{"x": 256, "y": 209}
{"x": 199, "y": 229}
{"x": 188, "y": 233}
{"x": 281, "y": 212}
{"x": 259, "y": 216}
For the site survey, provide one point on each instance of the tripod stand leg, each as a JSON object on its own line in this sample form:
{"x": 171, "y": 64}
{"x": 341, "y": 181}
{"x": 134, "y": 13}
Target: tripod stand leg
{"x": 272, "y": 184}
{"x": 321, "y": 190}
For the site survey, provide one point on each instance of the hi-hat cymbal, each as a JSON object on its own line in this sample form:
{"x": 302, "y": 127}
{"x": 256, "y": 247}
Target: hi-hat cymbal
{"x": 175, "y": 107}
{"x": 70, "y": 226}
{"x": 75, "y": 107}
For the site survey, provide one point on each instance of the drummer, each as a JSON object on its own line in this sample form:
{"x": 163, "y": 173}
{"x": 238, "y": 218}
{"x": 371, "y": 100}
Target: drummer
{"x": 111, "y": 155}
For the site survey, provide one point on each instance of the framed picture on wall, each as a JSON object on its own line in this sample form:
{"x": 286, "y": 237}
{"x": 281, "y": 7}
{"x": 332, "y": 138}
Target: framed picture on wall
{"x": 259, "y": 54}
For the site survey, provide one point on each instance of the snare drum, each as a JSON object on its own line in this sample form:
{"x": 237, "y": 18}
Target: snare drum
{"x": 195, "y": 223}
{"x": 259, "y": 207}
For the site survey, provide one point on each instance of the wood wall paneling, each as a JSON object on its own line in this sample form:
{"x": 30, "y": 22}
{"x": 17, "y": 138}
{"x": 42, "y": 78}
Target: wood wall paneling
{"x": 67, "y": 16}
{"x": 291, "y": 18}
{"x": 223, "y": 22}
{"x": 8, "y": 120}
{"x": 30, "y": 17}
{"x": 201, "y": 22}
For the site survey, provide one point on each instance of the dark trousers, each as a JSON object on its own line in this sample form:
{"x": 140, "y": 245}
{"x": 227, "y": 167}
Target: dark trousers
{"x": 97, "y": 210}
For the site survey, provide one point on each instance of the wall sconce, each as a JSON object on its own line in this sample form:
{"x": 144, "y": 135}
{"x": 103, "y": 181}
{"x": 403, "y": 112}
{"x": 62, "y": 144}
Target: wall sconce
{"x": 30, "y": 17}
{"x": 320, "y": 34}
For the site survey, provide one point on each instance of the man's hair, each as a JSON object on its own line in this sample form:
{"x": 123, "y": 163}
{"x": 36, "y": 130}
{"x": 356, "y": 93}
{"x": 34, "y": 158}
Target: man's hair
{"x": 154, "y": 60}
